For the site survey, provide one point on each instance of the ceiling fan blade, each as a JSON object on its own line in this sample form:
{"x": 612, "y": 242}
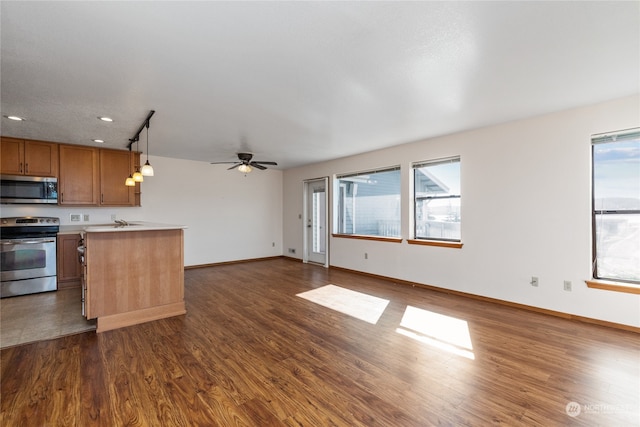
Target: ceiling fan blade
{"x": 266, "y": 163}
{"x": 234, "y": 166}
{"x": 222, "y": 163}
{"x": 258, "y": 165}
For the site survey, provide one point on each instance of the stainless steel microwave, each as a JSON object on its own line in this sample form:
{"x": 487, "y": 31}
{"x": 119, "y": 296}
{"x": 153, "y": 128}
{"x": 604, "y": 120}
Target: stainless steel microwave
{"x": 28, "y": 189}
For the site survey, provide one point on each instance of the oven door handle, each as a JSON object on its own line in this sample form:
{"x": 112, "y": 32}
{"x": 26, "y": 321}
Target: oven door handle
{"x": 27, "y": 242}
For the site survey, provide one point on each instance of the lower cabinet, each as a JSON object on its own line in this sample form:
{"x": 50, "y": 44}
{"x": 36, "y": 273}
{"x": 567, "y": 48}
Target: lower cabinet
{"x": 69, "y": 267}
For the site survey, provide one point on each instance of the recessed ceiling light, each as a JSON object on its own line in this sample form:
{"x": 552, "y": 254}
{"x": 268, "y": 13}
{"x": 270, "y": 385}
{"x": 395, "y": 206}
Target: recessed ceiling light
{"x": 105, "y": 119}
{"x": 16, "y": 118}
{"x": 101, "y": 141}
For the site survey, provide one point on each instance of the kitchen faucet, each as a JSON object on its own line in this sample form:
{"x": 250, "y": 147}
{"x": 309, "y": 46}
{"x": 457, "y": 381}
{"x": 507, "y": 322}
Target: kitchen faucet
{"x": 121, "y": 222}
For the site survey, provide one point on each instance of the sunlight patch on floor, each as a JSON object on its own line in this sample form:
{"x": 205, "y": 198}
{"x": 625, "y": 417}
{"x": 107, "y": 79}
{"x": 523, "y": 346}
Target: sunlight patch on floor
{"x": 437, "y": 330}
{"x": 355, "y": 304}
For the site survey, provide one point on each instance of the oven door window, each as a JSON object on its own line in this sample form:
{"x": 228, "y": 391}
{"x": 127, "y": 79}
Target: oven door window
{"x": 28, "y": 259}
{"x": 23, "y": 259}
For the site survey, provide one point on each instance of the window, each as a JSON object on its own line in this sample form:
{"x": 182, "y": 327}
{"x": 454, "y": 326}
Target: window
{"x": 368, "y": 203}
{"x": 616, "y": 206}
{"x": 436, "y": 195}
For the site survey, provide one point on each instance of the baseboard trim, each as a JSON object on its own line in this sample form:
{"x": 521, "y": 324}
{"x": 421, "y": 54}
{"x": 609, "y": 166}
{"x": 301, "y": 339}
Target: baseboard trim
{"x": 498, "y": 301}
{"x": 239, "y": 261}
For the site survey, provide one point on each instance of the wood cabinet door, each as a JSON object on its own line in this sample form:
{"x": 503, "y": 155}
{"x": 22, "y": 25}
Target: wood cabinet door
{"x": 11, "y": 156}
{"x": 69, "y": 267}
{"x": 79, "y": 181}
{"x": 40, "y": 158}
{"x": 115, "y": 167}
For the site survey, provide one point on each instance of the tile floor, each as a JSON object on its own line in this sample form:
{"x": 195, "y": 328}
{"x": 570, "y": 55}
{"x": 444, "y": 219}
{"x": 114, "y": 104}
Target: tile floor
{"x": 42, "y": 316}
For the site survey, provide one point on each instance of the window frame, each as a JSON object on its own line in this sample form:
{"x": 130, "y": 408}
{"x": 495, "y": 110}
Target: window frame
{"x": 434, "y": 241}
{"x": 339, "y": 208}
{"x": 603, "y": 282}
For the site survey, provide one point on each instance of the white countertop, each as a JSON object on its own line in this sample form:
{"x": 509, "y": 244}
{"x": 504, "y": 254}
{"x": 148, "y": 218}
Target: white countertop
{"x": 71, "y": 229}
{"x": 101, "y": 228}
{"x": 132, "y": 226}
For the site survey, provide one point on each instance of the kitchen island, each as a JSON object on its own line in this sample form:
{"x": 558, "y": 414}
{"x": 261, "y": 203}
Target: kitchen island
{"x": 133, "y": 273}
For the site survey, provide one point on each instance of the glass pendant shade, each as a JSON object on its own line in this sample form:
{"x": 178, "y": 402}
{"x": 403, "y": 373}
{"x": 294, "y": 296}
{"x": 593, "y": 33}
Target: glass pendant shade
{"x": 244, "y": 168}
{"x": 137, "y": 176}
{"x": 147, "y": 169}
{"x": 130, "y": 182}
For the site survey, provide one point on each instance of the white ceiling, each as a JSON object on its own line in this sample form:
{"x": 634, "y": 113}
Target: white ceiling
{"x": 301, "y": 82}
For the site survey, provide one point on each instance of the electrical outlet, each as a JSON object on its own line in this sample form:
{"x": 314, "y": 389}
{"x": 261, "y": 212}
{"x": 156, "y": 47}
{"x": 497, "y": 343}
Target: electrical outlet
{"x": 85, "y": 217}
{"x": 292, "y": 251}
{"x": 534, "y": 281}
{"x": 366, "y": 255}
{"x": 567, "y": 285}
{"x": 273, "y": 244}
{"x": 75, "y": 217}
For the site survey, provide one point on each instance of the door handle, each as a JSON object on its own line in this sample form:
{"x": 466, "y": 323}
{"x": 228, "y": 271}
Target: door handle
{"x": 27, "y": 242}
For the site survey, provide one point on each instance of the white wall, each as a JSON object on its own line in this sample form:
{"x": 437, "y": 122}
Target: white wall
{"x": 230, "y": 216}
{"x": 526, "y": 201}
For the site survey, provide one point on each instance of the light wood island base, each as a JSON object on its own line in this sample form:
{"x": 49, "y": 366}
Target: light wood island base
{"x": 115, "y": 321}
{"x": 133, "y": 275}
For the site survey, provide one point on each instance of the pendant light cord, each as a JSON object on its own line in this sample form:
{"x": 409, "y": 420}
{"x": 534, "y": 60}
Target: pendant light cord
{"x": 147, "y": 141}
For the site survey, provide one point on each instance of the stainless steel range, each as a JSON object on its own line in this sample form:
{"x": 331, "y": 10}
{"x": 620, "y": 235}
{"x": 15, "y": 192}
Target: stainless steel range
{"x": 28, "y": 257}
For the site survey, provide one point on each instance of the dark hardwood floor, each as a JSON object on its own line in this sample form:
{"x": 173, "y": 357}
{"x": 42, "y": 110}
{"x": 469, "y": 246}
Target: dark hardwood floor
{"x": 250, "y": 352}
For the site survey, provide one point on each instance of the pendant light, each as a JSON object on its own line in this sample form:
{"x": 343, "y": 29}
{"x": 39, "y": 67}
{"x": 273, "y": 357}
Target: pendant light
{"x": 147, "y": 169}
{"x": 137, "y": 176}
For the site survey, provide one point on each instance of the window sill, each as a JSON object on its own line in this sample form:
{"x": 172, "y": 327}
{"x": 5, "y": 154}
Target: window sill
{"x": 440, "y": 243}
{"x": 608, "y": 285}
{"x": 376, "y": 238}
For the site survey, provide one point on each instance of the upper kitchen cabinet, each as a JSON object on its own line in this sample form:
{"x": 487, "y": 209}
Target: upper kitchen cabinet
{"x": 26, "y": 157}
{"x": 115, "y": 167}
{"x": 95, "y": 177}
{"x": 79, "y": 180}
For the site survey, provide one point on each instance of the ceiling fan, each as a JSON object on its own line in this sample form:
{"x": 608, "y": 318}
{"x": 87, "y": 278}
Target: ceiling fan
{"x": 245, "y": 164}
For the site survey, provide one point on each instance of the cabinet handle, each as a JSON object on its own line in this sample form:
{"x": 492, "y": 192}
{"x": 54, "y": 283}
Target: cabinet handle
{"x": 26, "y": 168}
{"x": 102, "y": 198}
{"x": 61, "y": 197}
{"x": 20, "y": 167}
